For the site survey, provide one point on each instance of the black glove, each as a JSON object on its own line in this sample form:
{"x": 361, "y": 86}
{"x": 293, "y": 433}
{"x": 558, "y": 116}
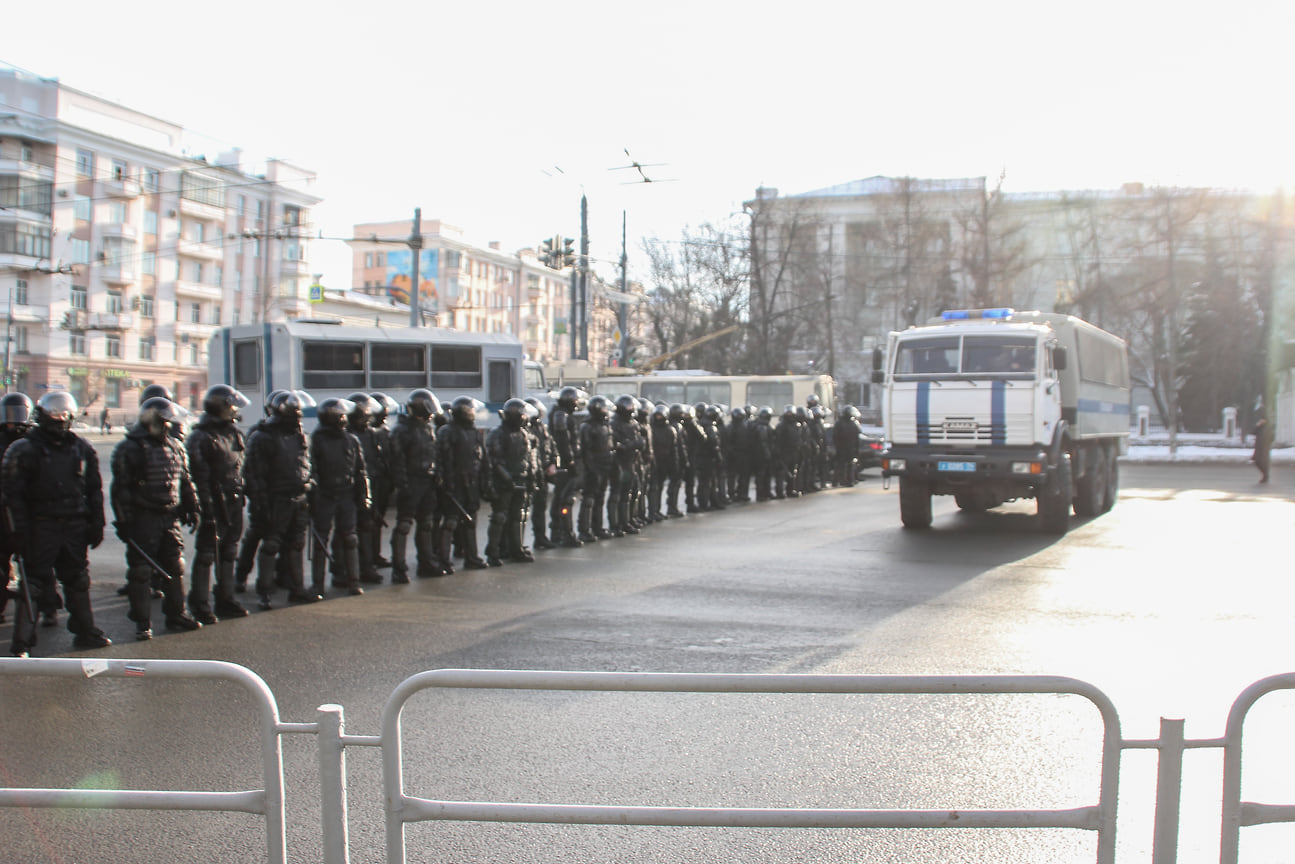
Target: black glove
{"x": 122, "y": 527}
{"x": 95, "y": 535}
{"x": 18, "y": 543}
{"x": 189, "y": 519}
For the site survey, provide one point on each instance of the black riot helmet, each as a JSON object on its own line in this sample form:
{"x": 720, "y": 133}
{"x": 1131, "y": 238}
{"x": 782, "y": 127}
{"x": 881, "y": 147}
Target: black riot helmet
{"x": 56, "y": 411}
{"x": 15, "y": 409}
{"x": 699, "y": 410}
{"x": 332, "y": 412}
{"x": 738, "y": 414}
{"x": 626, "y": 405}
{"x": 382, "y": 406}
{"x": 223, "y": 402}
{"x": 645, "y": 408}
{"x": 598, "y": 408}
{"x": 270, "y": 399}
{"x": 157, "y": 415}
{"x": 464, "y": 411}
{"x": 361, "y": 413}
{"x": 513, "y": 414}
{"x": 423, "y": 404}
{"x": 812, "y": 400}
{"x": 676, "y": 413}
{"x": 568, "y": 397}
{"x": 154, "y": 390}
{"x": 539, "y": 406}
{"x": 660, "y": 415}
{"x": 765, "y": 413}
{"x": 287, "y": 406}
{"x": 800, "y": 413}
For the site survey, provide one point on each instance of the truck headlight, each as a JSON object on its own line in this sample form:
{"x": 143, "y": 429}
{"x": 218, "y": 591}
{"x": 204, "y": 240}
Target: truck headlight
{"x": 1027, "y": 467}
{"x": 895, "y": 465}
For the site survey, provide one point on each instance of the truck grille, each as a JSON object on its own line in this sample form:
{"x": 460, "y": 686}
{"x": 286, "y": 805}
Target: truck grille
{"x": 962, "y": 430}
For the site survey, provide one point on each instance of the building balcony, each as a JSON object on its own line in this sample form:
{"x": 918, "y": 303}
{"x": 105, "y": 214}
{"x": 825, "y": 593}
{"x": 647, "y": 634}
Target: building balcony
{"x": 198, "y": 210}
{"x": 198, "y": 291}
{"x": 294, "y": 267}
{"x": 118, "y": 273}
{"x": 27, "y": 170}
{"x": 122, "y": 187}
{"x": 188, "y": 331}
{"x": 110, "y": 321}
{"x": 124, "y": 230}
{"x": 203, "y": 251}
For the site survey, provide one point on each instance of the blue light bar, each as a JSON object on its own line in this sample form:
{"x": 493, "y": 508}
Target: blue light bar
{"x": 1001, "y": 314}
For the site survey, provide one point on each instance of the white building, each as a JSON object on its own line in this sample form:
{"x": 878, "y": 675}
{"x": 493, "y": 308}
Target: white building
{"x": 120, "y": 252}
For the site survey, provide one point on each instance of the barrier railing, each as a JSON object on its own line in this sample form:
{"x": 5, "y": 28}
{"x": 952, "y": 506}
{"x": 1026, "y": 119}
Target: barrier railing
{"x": 401, "y": 809}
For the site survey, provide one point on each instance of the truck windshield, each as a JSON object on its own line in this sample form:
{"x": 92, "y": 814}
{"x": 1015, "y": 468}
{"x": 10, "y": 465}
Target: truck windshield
{"x": 996, "y": 355}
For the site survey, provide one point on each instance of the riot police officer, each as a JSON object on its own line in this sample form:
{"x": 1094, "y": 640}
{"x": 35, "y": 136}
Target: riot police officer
{"x": 152, "y": 496}
{"x": 339, "y": 494}
{"x": 462, "y": 459}
{"x": 416, "y": 477}
{"x": 665, "y": 460}
{"x": 215, "y": 447}
{"x": 53, "y": 511}
{"x": 678, "y": 415}
{"x": 512, "y": 469}
{"x": 786, "y": 454}
{"x": 546, "y": 468}
{"x": 359, "y": 422}
{"x": 251, "y": 539}
{"x": 15, "y": 421}
{"x": 761, "y": 452}
{"x": 383, "y": 482}
{"x": 564, "y": 430}
{"x": 625, "y": 445}
{"x": 596, "y": 465}
{"x": 276, "y": 475}
{"x": 845, "y": 438}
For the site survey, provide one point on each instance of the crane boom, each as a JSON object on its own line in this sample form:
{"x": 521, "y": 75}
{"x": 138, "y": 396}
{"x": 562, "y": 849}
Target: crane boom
{"x": 700, "y": 340}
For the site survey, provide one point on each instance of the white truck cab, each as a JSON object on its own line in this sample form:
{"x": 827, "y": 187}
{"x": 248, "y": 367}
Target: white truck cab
{"x": 993, "y": 405}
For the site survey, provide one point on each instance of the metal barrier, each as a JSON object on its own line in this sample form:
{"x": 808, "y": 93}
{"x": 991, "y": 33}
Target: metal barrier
{"x": 267, "y": 802}
{"x": 401, "y": 809}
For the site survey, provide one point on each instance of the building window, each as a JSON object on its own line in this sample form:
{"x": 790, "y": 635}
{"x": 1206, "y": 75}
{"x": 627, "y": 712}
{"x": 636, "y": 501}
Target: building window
{"x": 112, "y": 393}
{"x": 150, "y": 222}
{"x": 381, "y": 258}
{"x": 147, "y": 345}
{"x": 119, "y": 170}
{"x": 260, "y": 212}
{"x": 84, "y": 163}
{"x": 197, "y": 272}
{"x": 193, "y": 353}
{"x": 76, "y": 344}
{"x": 242, "y": 204}
{"x": 31, "y": 241}
{"x": 146, "y": 306}
{"x": 20, "y": 292}
{"x": 78, "y": 298}
{"x": 291, "y": 215}
{"x": 80, "y": 251}
{"x": 218, "y": 275}
{"x": 202, "y": 190}
{"x": 215, "y": 314}
{"x": 81, "y": 208}
{"x": 20, "y": 338}
{"x": 152, "y": 180}
{"x": 368, "y": 259}
{"x": 115, "y": 305}
{"x": 195, "y": 313}
{"x": 148, "y": 263}
{"x": 112, "y": 345}
{"x": 116, "y": 212}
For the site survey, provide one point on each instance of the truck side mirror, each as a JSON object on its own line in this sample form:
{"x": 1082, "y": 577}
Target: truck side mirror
{"x": 878, "y": 377}
{"x": 877, "y": 358}
{"x": 1058, "y": 358}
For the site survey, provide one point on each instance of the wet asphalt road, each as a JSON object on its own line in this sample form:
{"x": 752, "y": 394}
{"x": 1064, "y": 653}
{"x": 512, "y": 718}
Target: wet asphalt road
{"x": 1171, "y": 604}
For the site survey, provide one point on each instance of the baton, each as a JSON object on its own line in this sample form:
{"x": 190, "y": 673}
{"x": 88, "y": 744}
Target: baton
{"x": 149, "y": 559}
{"x": 320, "y": 542}
{"x": 26, "y": 589}
{"x": 457, "y": 506}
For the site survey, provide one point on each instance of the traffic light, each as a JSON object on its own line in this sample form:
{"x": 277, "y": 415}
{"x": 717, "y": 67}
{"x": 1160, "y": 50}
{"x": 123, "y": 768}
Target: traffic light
{"x": 568, "y": 252}
{"x": 547, "y": 253}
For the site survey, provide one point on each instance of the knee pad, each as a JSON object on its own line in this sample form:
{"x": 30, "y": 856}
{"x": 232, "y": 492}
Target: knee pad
{"x": 204, "y": 559}
{"x": 403, "y": 526}
{"x": 350, "y": 541}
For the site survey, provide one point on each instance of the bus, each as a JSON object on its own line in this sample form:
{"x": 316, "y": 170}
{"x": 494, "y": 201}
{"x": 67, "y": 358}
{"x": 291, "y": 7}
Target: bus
{"x": 776, "y": 391}
{"x": 331, "y": 359}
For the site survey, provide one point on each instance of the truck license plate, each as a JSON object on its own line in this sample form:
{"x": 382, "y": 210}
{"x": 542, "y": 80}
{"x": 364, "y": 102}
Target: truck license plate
{"x": 957, "y": 466}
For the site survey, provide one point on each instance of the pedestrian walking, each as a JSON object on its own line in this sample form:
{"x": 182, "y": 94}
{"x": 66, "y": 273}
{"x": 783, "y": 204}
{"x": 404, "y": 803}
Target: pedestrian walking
{"x": 1262, "y": 456}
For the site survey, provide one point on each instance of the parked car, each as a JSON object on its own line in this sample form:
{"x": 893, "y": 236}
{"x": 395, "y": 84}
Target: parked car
{"x": 870, "y": 450}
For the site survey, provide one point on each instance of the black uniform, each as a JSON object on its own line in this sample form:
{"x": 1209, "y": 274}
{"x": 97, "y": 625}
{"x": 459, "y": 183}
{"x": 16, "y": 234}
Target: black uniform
{"x": 339, "y": 493}
{"x": 216, "y": 447}
{"x": 546, "y": 466}
{"x": 9, "y": 433}
{"x": 462, "y": 459}
{"x": 53, "y": 507}
{"x": 414, "y": 450}
{"x": 665, "y": 461}
{"x": 368, "y": 529}
{"x": 276, "y": 474}
{"x": 596, "y": 466}
{"x": 565, "y": 433}
{"x": 512, "y": 468}
{"x": 625, "y": 444}
{"x": 761, "y": 453}
{"x": 845, "y": 437}
{"x": 152, "y": 496}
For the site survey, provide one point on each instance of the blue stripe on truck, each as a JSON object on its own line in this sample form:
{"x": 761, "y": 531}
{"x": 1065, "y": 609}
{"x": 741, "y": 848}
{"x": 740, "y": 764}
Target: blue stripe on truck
{"x": 923, "y": 412}
{"x": 998, "y": 414}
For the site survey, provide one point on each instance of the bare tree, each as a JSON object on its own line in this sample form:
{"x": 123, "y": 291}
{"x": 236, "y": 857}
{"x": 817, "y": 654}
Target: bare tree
{"x": 993, "y": 249}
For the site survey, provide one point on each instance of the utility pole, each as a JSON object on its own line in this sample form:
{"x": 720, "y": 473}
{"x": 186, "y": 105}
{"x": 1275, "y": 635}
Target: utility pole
{"x": 416, "y": 252}
{"x": 622, "y": 314}
{"x": 584, "y": 278}
{"x": 831, "y": 347}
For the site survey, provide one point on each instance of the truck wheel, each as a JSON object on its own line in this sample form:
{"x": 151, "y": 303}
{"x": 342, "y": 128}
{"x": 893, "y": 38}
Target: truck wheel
{"x": 970, "y": 501}
{"x": 1054, "y": 499}
{"x": 914, "y": 503}
{"x": 1090, "y": 491}
{"x": 1112, "y": 480}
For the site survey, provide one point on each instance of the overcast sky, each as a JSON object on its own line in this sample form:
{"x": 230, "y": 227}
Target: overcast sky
{"x": 495, "y": 116}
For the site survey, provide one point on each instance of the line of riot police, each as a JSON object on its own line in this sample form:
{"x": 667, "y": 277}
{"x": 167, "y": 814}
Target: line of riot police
{"x": 629, "y": 461}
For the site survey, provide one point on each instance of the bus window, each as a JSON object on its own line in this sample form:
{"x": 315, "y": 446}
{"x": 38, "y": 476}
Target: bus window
{"x": 775, "y": 394}
{"x": 663, "y": 392}
{"x": 398, "y": 367}
{"x": 711, "y": 392}
{"x": 501, "y": 381}
{"x": 332, "y": 365}
{"x": 247, "y": 365}
{"x": 456, "y": 368}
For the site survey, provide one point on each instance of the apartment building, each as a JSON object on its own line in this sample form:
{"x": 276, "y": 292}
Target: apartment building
{"x": 121, "y": 251}
{"x": 463, "y": 286}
